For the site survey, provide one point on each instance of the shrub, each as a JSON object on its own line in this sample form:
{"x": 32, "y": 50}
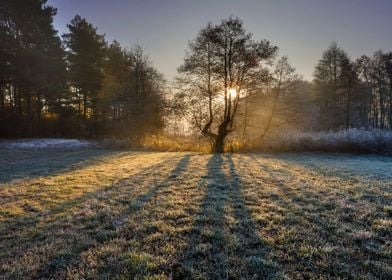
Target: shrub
{"x": 344, "y": 141}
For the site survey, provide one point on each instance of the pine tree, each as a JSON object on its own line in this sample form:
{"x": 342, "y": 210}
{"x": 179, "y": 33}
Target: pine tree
{"x": 86, "y": 51}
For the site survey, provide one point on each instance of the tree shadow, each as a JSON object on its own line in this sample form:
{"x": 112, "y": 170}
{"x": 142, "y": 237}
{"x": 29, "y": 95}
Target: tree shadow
{"x": 32, "y": 218}
{"x": 251, "y": 253}
{"x": 310, "y": 171}
{"x": 94, "y": 230}
{"x": 28, "y": 164}
{"x": 218, "y": 248}
{"x": 372, "y": 166}
{"x": 206, "y": 252}
{"x": 180, "y": 168}
{"x": 314, "y": 219}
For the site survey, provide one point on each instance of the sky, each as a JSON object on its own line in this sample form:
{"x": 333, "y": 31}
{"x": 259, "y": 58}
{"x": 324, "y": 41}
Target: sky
{"x": 302, "y": 29}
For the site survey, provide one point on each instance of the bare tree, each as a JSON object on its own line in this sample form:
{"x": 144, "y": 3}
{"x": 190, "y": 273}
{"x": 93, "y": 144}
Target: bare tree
{"x": 283, "y": 79}
{"x": 221, "y": 64}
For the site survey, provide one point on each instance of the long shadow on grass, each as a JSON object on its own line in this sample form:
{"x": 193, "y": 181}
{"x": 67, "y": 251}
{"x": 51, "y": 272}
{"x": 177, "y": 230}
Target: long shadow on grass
{"x": 217, "y": 249}
{"x": 320, "y": 219}
{"x": 96, "y": 230}
{"x": 354, "y": 169}
{"x": 30, "y": 220}
{"x": 250, "y": 255}
{"x": 28, "y": 164}
{"x": 346, "y": 166}
{"x": 206, "y": 253}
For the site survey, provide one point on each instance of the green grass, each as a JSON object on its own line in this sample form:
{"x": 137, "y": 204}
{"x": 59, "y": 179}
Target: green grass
{"x": 87, "y": 214}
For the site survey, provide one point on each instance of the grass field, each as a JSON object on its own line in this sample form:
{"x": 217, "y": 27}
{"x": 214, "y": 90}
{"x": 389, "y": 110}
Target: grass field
{"x": 94, "y": 213}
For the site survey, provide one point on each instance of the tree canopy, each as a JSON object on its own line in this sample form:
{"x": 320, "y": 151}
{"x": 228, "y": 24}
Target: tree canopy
{"x": 230, "y": 87}
{"x": 222, "y": 63}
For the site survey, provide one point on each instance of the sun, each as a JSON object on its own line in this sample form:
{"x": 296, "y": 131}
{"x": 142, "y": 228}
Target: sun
{"x": 233, "y": 92}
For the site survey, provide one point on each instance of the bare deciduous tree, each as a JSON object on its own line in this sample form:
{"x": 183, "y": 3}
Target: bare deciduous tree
{"x": 283, "y": 79}
{"x": 222, "y": 62}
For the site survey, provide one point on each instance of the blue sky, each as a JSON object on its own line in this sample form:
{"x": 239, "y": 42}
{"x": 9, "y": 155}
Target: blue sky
{"x": 302, "y": 29}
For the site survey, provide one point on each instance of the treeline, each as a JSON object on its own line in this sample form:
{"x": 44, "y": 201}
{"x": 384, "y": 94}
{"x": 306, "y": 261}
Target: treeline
{"x": 79, "y": 85}
{"x": 74, "y": 85}
{"x": 345, "y": 93}
{"x": 354, "y": 93}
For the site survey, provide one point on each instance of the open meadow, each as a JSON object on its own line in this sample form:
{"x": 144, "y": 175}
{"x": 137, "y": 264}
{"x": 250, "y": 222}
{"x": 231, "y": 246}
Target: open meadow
{"x": 196, "y": 140}
{"x": 97, "y": 213}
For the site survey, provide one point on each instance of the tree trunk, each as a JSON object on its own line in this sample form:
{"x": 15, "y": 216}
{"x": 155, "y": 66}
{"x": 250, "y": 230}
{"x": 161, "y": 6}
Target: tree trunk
{"x": 219, "y": 144}
{"x": 28, "y": 100}
{"x": 79, "y": 104}
{"x": 19, "y": 101}
{"x": 29, "y": 112}
{"x": 245, "y": 119}
{"x": 84, "y": 106}
{"x": 390, "y": 103}
{"x": 220, "y": 138}
{"x": 2, "y": 101}
{"x": 39, "y": 107}
{"x": 348, "y": 108}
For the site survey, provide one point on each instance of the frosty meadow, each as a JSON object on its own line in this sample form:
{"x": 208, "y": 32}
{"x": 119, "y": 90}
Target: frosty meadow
{"x": 190, "y": 140}
{"x": 100, "y": 213}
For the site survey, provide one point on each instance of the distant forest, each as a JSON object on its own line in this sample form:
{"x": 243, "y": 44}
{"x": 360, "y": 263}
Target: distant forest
{"x": 80, "y": 85}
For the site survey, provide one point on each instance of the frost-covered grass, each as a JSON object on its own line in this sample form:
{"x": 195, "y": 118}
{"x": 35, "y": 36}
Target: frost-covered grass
{"x": 346, "y": 141}
{"x": 21, "y": 163}
{"x": 138, "y": 215}
{"x": 45, "y": 143}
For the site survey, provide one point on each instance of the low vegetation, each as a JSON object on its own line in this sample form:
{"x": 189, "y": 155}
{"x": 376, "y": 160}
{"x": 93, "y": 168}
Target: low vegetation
{"x": 344, "y": 141}
{"x": 356, "y": 141}
{"x": 105, "y": 214}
